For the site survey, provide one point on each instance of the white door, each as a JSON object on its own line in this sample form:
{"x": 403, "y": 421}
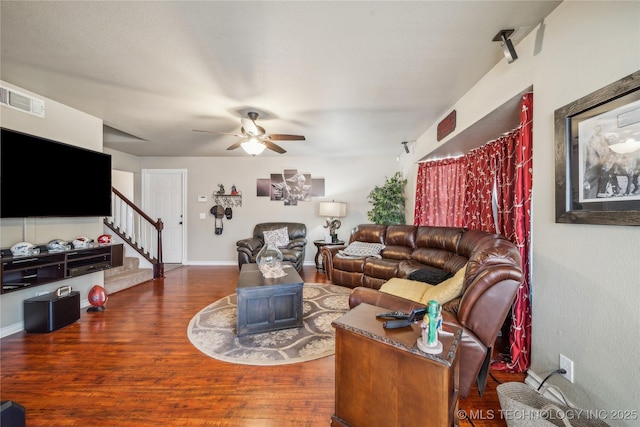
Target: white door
{"x": 163, "y": 197}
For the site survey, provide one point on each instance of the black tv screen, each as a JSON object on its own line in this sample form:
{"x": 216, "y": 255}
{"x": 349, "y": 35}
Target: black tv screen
{"x": 44, "y": 178}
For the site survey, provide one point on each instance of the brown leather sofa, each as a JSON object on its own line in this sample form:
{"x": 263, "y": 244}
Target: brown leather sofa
{"x": 293, "y": 253}
{"x": 491, "y": 281}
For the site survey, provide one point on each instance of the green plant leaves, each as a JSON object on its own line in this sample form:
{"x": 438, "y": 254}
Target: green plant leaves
{"x": 388, "y": 201}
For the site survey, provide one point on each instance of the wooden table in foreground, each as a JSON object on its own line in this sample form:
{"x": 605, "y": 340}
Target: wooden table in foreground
{"x": 383, "y": 379}
{"x": 268, "y": 304}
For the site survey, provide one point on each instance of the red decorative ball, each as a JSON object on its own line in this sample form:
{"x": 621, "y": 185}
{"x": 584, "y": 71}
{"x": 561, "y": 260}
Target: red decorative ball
{"x": 97, "y": 296}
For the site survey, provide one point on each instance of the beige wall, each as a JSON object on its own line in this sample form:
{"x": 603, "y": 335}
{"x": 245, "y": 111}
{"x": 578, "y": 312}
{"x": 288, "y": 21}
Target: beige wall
{"x": 346, "y": 179}
{"x": 64, "y": 124}
{"x": 585, "y": 278}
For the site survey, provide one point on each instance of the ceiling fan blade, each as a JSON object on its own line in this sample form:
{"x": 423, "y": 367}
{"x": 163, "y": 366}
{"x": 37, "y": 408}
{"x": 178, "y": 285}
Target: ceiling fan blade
{"x": 235, "y": 145}
{"x": 283, "y": 137}
{"x": 260, "y": 131}
{"x": 219, "y": 133}
{"x": 271, "y": 146}
{"x": 250, "y": 127}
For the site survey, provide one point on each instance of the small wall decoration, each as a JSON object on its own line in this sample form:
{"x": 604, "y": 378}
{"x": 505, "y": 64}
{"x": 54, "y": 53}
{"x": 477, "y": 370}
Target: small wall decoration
{"x": 290, "y": 187}
{"x": 447, "y": 125}
{"x": 598, "y": 156}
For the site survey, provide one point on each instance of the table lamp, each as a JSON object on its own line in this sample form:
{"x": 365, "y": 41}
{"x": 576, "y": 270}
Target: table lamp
{"x": 333, "y": 210}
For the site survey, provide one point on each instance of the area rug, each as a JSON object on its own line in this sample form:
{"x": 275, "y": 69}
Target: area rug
{"x": 213, "y": 330}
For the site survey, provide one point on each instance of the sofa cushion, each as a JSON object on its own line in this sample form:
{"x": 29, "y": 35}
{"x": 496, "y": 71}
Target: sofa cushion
{"x": 405, "y": 288}
{"x": 348, "y": 264}
{"x": 423, "y": 292}
{"x": 430, "y": 275}
{"x": 362, "y": 249}
{"x": 447, "y": 290}
{"x": 279, "y": 237}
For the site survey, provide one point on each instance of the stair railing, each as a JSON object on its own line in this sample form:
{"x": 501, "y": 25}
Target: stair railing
{"x": 138, "y": 229}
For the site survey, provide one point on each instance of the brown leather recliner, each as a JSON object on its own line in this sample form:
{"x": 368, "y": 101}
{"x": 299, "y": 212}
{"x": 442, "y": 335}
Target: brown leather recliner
{"x": 293, "y": 253}
{"x": 491, "y": 282}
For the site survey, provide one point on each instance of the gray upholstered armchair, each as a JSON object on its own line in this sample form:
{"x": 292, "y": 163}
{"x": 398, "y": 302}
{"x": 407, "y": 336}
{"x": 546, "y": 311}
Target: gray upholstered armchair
{"x": 293, "y": 252}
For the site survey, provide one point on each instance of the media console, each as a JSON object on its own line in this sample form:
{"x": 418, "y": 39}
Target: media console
{"x": 20, "y": 272}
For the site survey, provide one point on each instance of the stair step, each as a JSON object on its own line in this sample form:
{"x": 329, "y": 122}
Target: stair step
{"x": 130, "y": 263}
{"x": 126, "y": 279}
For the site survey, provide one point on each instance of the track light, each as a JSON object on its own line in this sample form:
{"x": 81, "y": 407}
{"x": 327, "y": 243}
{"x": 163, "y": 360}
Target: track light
{"x": 507, "y": 46}
{"x": 406, "y": 149}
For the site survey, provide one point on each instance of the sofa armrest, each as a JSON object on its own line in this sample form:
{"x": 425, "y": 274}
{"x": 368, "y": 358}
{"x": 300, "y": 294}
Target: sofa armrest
{"x": 249, "y": 245}
{"x": 381, "y": 299}
{"x": 297, "y": 243}
{"x": 487, "y": 301}
{"x": 327, "y": 253}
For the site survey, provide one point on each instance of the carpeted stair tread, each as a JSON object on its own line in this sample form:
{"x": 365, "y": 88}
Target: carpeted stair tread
{"x": 130, "y": 263}
{"x": 127, "y": 279}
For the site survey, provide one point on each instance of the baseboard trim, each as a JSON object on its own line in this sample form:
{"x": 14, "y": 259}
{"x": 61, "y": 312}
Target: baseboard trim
{"x": 12, "y": 329}
{"x": 210, "y": 263}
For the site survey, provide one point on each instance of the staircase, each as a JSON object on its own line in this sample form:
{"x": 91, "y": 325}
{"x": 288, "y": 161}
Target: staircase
{"x": 128, "y": 275}
{"x": 140, "y": 232}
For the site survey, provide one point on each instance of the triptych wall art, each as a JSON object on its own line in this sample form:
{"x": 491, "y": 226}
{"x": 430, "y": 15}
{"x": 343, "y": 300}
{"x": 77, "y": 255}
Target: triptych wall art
{"x": 290, "y": 187}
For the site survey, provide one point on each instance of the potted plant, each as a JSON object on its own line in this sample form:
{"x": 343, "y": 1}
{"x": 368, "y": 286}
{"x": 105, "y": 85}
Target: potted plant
{"x": 388, "y": 201}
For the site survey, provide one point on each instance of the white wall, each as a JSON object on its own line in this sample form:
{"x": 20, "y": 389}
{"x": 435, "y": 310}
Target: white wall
{"x": 64, "y": 124}
{"x": 586, "y": 278}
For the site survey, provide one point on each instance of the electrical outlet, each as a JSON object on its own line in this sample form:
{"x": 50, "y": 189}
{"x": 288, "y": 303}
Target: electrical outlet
{"x": 567, "y": 365}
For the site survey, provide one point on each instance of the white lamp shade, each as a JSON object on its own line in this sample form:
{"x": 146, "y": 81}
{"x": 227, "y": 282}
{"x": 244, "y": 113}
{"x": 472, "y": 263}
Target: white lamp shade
{"x": 333, "y": 209}
{"x": 253, "y": 146}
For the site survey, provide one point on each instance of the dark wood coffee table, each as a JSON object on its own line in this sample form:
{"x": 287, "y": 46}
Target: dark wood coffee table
{"x": 268, "y": 304}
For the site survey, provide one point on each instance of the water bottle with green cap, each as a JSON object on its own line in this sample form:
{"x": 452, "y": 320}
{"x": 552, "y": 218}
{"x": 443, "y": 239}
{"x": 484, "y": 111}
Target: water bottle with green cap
{"x": 433, "y": 309}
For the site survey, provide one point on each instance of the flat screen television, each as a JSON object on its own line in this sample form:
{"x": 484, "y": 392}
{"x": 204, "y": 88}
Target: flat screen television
{"x": 44, "y": 178}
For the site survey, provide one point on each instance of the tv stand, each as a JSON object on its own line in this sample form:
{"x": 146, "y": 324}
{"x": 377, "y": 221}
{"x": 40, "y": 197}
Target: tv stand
{"x": 21, "y": 272}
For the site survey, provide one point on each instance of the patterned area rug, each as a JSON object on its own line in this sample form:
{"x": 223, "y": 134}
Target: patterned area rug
{"x": 213, "y": 330}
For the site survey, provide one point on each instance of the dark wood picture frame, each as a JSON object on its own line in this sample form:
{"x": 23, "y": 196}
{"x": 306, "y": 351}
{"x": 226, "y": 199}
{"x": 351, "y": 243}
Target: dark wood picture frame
{"x": 572, "y": 158}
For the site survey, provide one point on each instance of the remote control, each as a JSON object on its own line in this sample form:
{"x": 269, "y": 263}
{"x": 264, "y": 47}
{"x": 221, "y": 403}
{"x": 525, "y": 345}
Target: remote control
{"x": 393, "y": 315}
{"x": 393, "y": 324}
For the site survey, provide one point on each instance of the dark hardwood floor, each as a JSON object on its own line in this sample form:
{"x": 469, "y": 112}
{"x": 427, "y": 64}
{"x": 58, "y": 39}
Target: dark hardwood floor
{"x": 133, "y": 365}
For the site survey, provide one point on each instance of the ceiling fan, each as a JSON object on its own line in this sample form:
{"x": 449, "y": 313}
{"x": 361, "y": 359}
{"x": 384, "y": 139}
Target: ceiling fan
{"x": 255, "y": 139}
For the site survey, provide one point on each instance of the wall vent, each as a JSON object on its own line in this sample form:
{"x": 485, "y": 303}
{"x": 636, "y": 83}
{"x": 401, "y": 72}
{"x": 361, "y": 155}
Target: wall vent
{"x": 21, "y": 101}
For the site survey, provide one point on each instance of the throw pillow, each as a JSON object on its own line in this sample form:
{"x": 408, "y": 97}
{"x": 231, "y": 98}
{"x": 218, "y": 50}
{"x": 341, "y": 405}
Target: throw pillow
{"x": 421, "y": 292}
{"x": 362, "y": 249}
{"x": 405, "y": 288}
{"x": 447, "y": 290}
{"x": 430, "y": 275}
{"x": 279, "y": 237}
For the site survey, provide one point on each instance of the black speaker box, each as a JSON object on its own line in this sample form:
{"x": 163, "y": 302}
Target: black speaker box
{"x": 48, "y": 312}
{"x": 12, "y": 414}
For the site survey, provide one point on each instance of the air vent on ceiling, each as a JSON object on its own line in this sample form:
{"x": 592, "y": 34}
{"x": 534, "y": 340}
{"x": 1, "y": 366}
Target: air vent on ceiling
{"x": 21, "y": 101}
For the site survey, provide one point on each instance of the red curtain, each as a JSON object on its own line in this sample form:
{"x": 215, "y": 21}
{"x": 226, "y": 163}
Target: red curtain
{"x": 437, "y": 207}
{"x": 496, "y": 181}
{"x": 514, "y": 181}
{"x": 479, "y": 189}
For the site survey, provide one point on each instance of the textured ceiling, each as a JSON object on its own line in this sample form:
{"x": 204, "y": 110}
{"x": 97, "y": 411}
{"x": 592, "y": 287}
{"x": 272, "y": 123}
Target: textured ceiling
{"x": 354, "y": 77}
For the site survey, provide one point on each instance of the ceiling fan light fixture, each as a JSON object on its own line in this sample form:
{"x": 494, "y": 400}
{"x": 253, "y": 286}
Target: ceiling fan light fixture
{"x": 253, "y": 146}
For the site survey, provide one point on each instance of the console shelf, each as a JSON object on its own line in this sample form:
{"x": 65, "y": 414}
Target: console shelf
{"x": 20, "y": 272}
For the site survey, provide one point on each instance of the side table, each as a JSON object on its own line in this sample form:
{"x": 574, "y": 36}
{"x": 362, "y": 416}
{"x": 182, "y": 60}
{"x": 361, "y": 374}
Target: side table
{"x": 319, "y": 244}
{"x": 383, "y": 379}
